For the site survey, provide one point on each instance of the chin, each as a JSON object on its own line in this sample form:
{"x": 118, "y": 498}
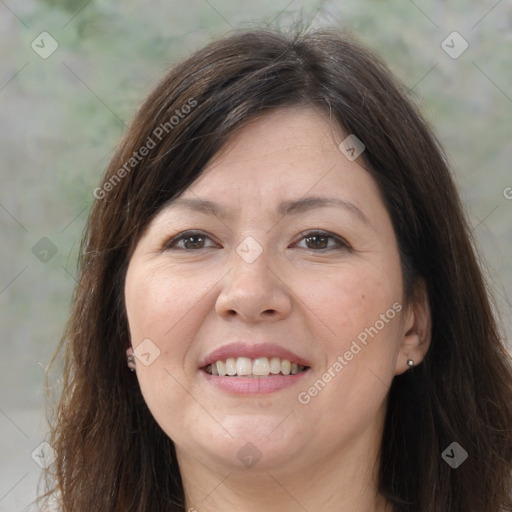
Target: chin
{"x": 263, "y": 447}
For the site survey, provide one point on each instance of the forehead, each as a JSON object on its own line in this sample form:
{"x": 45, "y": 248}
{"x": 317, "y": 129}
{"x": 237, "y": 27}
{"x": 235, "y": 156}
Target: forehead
{"x": 279, "y": 158}
{"x": 284, "y": 136}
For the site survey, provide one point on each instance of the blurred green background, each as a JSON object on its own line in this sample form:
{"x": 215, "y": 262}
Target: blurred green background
{"x": 62, "y": 114}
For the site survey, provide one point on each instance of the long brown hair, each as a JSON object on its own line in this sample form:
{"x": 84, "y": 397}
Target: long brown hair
{"x": 111, "y": 454}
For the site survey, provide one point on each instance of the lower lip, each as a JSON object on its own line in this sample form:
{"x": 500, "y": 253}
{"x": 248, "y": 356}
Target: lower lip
{"x": 254, "y": 385}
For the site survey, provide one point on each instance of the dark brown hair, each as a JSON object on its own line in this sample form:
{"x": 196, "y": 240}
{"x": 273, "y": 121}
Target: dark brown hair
{"x": 111, "y": 454}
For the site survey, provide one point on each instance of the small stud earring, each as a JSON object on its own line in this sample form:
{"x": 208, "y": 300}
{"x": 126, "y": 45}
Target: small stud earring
{"x": 410, "y": 363}
{"x": 131, "y": 362}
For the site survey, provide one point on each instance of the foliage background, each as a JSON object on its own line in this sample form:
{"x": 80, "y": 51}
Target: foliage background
{"x": 61, "y": 117}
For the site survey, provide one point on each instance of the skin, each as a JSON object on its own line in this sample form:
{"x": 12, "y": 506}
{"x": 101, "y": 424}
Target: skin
{"x": 321, "y": 455}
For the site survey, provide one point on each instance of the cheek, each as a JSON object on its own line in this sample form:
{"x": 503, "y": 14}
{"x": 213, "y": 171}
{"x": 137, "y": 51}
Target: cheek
{"x": 160, "y": 305}
{"x": 164, "y": 307}
{"x": 352, "y": 299}
{"x": 361, "y": 309}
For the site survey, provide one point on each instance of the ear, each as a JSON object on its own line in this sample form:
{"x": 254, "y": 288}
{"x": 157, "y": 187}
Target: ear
{"x": 130, "y": 362}
{"x": 416, "y": 330}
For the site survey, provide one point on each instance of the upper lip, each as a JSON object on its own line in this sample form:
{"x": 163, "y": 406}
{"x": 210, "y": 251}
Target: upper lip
{"x": 241, "y": 349}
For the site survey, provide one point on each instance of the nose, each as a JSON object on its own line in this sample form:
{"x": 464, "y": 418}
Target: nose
{"x": 253, "y": 291}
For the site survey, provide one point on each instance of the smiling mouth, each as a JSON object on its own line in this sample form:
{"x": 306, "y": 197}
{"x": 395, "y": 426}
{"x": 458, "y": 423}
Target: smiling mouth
{"x": 257, "y": 367}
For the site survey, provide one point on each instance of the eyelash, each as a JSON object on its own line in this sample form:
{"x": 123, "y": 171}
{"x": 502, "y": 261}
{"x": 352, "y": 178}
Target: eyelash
{"x": 341, "y": 243}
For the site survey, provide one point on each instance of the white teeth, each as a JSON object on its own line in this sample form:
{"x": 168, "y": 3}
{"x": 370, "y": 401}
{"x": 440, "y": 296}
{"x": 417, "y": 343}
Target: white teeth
{"x": 260, "y": 367}
{"x": 231, "y": 366}
{"x": 221, "y": 368}
{"x": 275, "y": 365}
{"x": 243, "y": 366}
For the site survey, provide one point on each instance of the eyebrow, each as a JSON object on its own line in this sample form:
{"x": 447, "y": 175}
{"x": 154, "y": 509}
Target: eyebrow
{"x": 290, "y": 207}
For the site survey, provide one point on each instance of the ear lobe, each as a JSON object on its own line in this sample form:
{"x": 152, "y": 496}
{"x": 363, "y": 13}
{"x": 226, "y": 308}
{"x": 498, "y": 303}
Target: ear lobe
{"x": 130, "y": 359}
{"x": 417, "y": 329}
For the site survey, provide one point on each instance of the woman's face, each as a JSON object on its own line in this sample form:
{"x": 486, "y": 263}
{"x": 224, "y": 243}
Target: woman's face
{"x": 280, "y": 258}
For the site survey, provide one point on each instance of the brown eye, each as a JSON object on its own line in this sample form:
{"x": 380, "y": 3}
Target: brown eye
{"x": 193, "y": 242}
{"x": 317, "y": 241}
{"x": 189, "y": 241}
{"x": 322, "y": 241}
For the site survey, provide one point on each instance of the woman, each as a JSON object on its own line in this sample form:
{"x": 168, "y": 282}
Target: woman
{"x": 279, "y": 255}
